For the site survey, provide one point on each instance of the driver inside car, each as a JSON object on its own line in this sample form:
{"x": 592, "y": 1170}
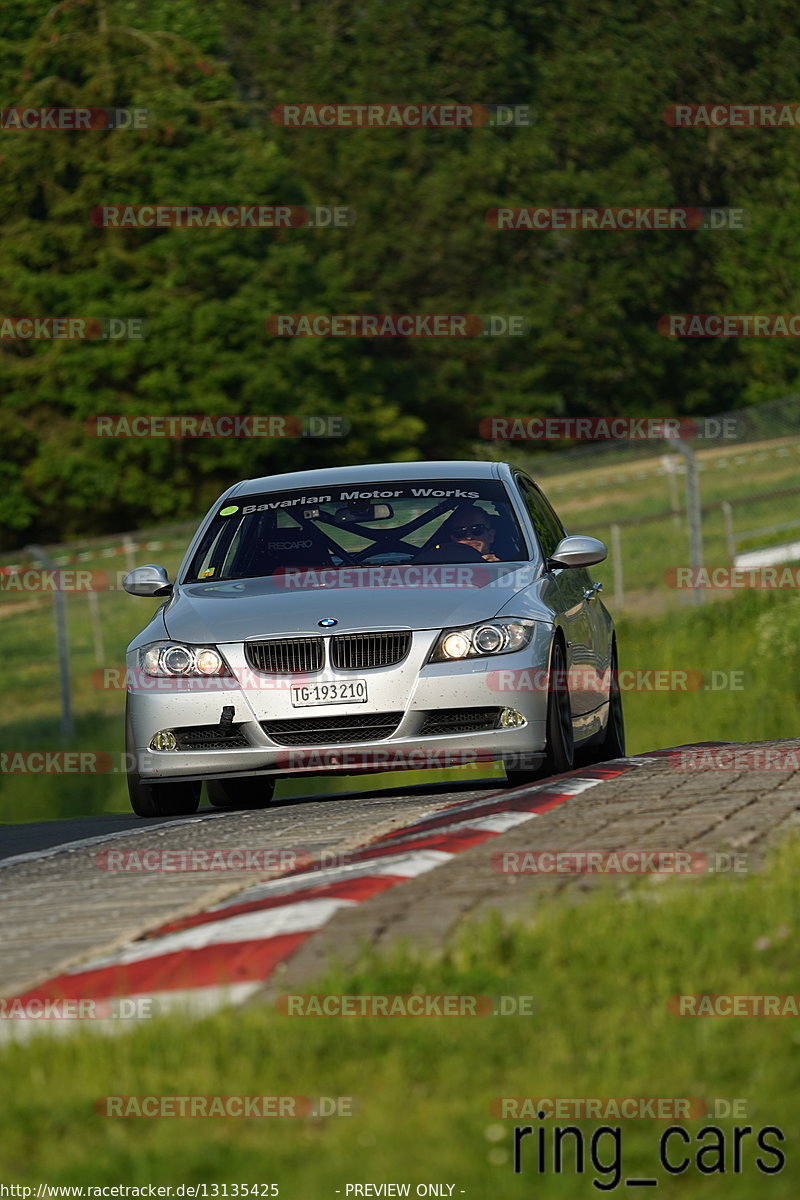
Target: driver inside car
{"x": 470, "y": 526}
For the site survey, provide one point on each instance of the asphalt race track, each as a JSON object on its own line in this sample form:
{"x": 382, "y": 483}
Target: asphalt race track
{"x": 59, "y": 904}
{"x": 71, "y": 890}
{"x": 38, "y": 836}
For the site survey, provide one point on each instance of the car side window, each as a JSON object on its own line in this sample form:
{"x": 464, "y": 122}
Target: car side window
{"x": 556, "y": 524}
{"x": 220, "y": 545}
{"x": 547, "y": 525}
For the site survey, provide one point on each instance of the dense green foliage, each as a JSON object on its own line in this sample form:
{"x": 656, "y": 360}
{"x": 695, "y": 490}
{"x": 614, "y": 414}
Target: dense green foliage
{"x": 597, "y": 79}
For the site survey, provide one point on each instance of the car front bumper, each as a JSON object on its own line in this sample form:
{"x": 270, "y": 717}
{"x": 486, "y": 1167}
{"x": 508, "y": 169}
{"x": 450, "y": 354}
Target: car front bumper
{"x": 411, "y": 690}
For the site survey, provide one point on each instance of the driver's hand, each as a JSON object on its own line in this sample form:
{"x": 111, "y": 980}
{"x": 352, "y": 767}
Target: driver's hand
{"x": 490, "y": 558}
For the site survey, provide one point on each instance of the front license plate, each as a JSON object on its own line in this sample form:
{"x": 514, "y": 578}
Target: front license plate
{"x": 354, "y": 691}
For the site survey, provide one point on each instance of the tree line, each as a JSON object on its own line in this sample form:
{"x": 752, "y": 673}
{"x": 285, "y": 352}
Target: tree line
{"x": 418, "y": 235}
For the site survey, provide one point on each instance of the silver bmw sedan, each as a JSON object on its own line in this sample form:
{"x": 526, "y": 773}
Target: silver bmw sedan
{"x": 394, "y": 616}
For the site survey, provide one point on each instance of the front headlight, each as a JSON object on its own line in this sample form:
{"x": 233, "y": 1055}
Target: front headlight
{"x": 170, "y": 659}
{"x": 501, "y": 635}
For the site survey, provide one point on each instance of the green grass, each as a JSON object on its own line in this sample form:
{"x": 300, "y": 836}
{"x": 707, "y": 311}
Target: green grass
{"x": 600, "y": 972}
{"x": 755, "y": 633}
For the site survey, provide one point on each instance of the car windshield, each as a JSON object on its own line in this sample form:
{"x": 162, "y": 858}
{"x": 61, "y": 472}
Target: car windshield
{"x": 359, "y": 524}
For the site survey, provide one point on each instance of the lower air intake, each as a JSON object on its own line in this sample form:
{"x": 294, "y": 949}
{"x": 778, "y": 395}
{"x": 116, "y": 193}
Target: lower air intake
{"x": 333, "y": 731}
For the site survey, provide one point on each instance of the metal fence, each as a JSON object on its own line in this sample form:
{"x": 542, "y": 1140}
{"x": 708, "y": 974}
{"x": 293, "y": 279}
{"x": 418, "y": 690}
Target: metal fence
{"x": 722, "y": 501}
{"x": 64, "y": 605}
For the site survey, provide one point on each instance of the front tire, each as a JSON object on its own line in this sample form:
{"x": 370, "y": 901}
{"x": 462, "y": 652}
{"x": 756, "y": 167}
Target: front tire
{"x": 254, "y": 792}
{"x": 163, "y": 799}
{"x": 559, "y": 755}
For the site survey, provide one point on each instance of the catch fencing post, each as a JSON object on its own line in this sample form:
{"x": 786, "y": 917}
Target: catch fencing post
{"x": 670, "y": 470}
{"x": 692, "y": 510}
{"x": 130, "y": 551}
{"x": 616, "y": 563}
{"x": 67, "y": 726}
{"x": 97, "y": 627}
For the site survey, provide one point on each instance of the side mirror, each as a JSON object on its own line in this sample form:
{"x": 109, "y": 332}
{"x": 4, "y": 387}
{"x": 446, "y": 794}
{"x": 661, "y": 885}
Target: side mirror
{"x": 147, "y": 581}
{"x": 578, "y": 551}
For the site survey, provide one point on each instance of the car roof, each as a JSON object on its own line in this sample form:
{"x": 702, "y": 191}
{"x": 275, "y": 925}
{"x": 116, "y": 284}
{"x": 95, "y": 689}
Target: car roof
{"x": 395, "y": 472}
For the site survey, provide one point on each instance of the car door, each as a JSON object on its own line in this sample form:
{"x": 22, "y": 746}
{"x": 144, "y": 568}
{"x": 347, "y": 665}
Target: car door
{"x": 573, "y": 586}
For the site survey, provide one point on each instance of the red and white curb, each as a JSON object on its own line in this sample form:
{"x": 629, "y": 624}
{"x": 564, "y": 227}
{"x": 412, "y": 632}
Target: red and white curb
{"x": 222, "y": 956}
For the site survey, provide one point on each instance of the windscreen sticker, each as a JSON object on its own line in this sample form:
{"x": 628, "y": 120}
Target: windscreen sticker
{"x": 207, "y": 572}
{"x": 229, "y": 511}
{"x": 341, "y": 496}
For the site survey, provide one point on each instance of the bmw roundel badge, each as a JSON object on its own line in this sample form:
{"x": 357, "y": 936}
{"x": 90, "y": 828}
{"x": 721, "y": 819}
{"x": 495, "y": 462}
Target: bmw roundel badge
{"x": 327, "y": 622}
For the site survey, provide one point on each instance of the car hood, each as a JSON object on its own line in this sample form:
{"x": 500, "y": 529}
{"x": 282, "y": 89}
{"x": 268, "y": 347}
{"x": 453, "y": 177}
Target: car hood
{"x": 231, "y": 611}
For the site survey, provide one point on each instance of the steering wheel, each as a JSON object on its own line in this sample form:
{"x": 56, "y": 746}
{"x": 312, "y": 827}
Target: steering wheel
{"x": 365, "y": 555}
{"x": 339, "y": 553}
{"x": 454, "y": 552}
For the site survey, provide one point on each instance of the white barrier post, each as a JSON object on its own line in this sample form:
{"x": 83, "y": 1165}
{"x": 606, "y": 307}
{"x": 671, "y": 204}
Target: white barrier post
{"x": 730, "y": 537}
